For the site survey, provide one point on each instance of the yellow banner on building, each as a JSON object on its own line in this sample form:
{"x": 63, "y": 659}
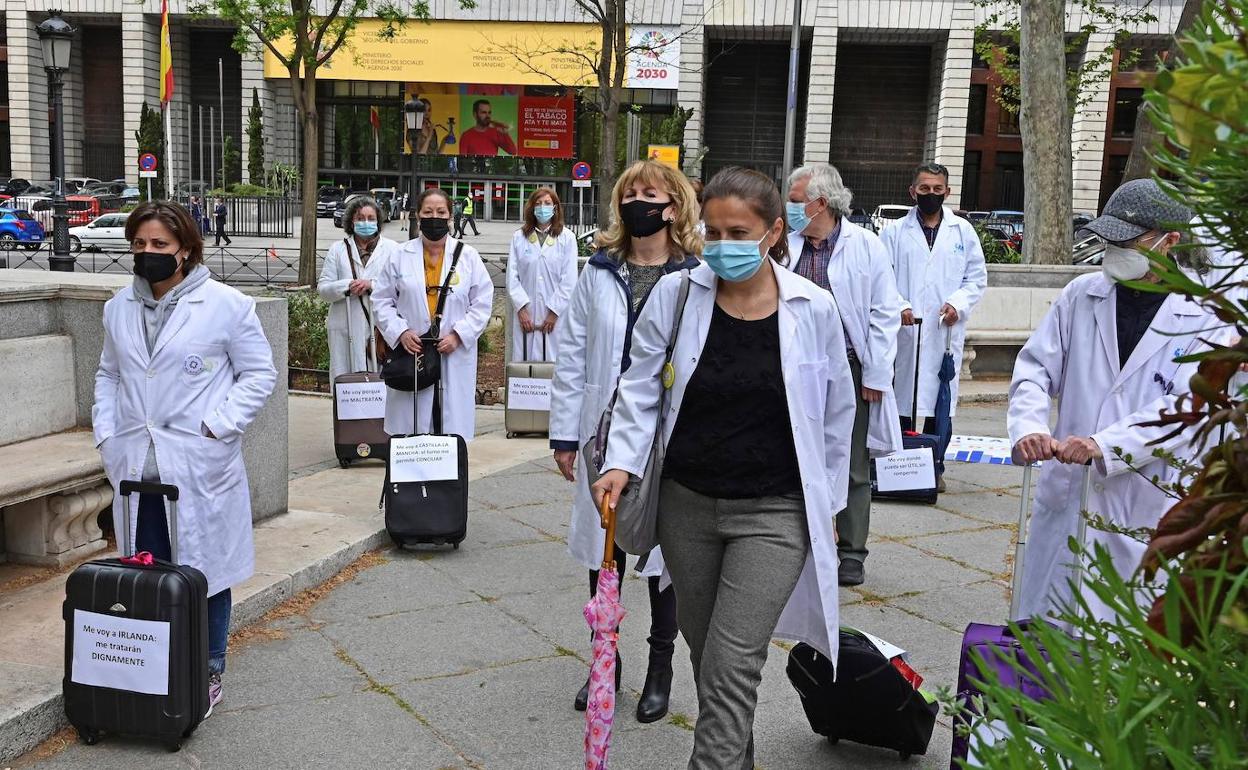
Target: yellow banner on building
{"x": 667, "y": 154}
{"x": 503, "y": 53}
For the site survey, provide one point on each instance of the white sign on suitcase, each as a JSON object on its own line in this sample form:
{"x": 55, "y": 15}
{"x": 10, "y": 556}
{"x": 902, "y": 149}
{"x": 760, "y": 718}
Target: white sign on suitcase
{"x": 121, "y": 653}
{"x": 905, "y": 470}
{"x": 361, "y": 400}
{"x": 528, "y": 394}
{"x": 424, "y": 458}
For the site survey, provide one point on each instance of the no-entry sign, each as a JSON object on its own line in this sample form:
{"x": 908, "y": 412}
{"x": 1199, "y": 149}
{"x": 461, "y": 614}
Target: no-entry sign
{"x": 582, "y": 170}
{"x": 147, "y": 162}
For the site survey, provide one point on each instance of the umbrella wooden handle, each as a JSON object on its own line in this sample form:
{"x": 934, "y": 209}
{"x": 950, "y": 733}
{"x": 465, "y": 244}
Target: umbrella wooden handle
{"x": 608, "y": 523}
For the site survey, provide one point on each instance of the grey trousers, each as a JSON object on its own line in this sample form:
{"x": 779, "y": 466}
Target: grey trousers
{"x": 734, "y": 564}
{"x": 853, "y": 522}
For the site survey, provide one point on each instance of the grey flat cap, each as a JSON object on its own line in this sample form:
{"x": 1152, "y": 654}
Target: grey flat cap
{"x": 1135, "y": 208}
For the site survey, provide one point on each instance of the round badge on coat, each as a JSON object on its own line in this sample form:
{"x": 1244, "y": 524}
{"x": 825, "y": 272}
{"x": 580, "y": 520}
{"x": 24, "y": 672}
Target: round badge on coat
{"x": 363, "y": 450}
{"x": 454, "y": 279}
{"x": 193, "y": 365}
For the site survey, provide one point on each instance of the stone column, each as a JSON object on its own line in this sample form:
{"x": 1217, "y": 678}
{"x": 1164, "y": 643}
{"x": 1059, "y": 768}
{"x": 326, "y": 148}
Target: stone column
{"x": 821, "y": 85}
{"x": 955, "y": 87}
{"x": 1088, "y": 134}
{"x": 691, "y": 93}
{"x": 28, "y": 97}
{"x": 140, "y": 80}
{"x": 253, "y": 78}
{"x": 71, "y": 97}
{"x": 178, "y": 162}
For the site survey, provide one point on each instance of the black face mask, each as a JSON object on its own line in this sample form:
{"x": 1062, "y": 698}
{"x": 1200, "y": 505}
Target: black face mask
{"x": 155, "y": 267}
{"x": 643, "y": 218}
{"x": 930, "y": 203}
{"x": 434, "y": 229}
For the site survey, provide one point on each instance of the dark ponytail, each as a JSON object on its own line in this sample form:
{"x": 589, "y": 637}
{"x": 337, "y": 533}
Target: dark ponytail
{"x": 757, "y": 191}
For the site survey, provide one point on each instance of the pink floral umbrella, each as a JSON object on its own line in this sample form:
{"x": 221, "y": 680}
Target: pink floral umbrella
{"x": 603, "y": 613}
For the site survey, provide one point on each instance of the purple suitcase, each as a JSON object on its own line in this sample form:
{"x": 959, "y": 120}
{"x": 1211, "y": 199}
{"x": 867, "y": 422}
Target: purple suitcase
{"x": 998, "y": 645}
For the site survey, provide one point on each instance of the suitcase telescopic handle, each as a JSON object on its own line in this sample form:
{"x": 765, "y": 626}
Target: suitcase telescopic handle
{"x": 914, "y": 400}
{"x": 167, "y": 491}
{"x": 1020, "y": 542}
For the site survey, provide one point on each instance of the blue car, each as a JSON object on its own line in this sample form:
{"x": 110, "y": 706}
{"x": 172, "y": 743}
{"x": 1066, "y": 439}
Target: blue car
{"x": 19, "y": 228}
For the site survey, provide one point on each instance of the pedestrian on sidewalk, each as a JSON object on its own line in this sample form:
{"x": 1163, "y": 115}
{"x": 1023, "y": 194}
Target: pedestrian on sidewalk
{"x": 757, "y": 461}
{"x": 197, "y": 213}
{"x": 221, "y": 213}
{"x": 405, "y": 300}
{"x": 939, "y": 264}
{"x": 347, "y": 279}
{"x": 541, "y": 274}
{"x": 457, "y": 231}
{"x": 851, "y": 262}
{"x": 469, "y": 219}
{"x": 184, "y": 371}
{"x": 653, "y": 233}
{"x": 1108, "y": 353}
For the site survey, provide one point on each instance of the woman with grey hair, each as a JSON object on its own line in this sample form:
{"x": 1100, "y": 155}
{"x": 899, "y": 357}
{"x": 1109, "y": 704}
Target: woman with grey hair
{"x": 347, "y": 278}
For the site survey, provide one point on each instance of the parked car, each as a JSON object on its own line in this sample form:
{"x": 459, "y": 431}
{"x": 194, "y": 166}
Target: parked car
{"x": 389, "y": 200}
{"x": 1007, "y": 215}
{"x": 1088, "y": 251}
{"x": 977, "y": 216}
{"x": 76, "y": 183}
{"x": 341, "y": 208}
{"x": 861, "y": 218}
{"x": 84, "y": 209}
{"x": 106, "y": 233}
{"x": 13, "y": 186}
{"x": 327, "y": 199}
{"x": 886, "y": 213}
{"x": 104, "y": 188}
{"x": 1079, "y": 221}
{"x": 19, "y": 227}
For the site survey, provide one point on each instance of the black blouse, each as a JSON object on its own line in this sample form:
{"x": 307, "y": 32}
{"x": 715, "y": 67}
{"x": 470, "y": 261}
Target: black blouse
{"x": 733, "y": 438}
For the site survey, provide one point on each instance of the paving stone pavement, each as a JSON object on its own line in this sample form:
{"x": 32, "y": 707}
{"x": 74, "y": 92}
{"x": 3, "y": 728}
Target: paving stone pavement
{"x": 470, "y": 658}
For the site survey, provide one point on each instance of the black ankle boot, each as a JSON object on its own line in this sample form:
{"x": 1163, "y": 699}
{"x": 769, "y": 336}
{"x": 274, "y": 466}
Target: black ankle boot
{"x": 582, "y": 697}
{"x": 652, "y": 706}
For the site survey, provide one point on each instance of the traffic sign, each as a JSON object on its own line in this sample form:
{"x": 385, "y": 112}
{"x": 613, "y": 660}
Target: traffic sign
{"x": 148, "y": 175}
{"x": 582, "y": 183}
{"x": 582, "y": 170}
{"x": 147, "y": 162}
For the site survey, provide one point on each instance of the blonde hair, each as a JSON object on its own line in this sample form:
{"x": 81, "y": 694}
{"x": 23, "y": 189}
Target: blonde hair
{"x": 682, "y": 231}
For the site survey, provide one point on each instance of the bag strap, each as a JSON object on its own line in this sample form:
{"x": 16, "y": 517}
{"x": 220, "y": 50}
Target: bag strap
{"x": 436, "y": 322}
{"x": 682, "y": 299}
{"x": 368, "y": 316}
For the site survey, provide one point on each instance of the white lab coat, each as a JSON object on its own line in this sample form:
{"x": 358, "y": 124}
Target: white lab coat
{"x": 820, "y": 392}
{"x": 591, "y": 352}
{"x": 541, "y": 277}
{"x": 866, "y": 295}
{"x": 211, "y": 365}
{"x": 953, "y": 272}
{"x": 347, "y": 357}
{"x": 1073, "y": 356}
{"x": 399, "y": 304}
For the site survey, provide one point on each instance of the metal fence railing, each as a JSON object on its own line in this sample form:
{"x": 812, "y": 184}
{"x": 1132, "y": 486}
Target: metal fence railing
{"x": 266, "y": 217}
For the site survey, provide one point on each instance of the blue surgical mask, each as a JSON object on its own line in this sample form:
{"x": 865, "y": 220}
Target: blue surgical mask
{"x": 734, "y": 260}
{"x": 544, "y": 212}
{"x": 796, "y": 214}
{"x": 366, "y": 228}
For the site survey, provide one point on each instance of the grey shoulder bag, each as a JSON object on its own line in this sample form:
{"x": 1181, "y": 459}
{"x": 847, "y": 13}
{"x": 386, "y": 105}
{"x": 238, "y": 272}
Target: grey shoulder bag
{"x": 636, "y": 515}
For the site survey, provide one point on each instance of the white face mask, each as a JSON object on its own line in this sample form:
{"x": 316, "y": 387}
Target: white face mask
{"x": 1120, "y": 263}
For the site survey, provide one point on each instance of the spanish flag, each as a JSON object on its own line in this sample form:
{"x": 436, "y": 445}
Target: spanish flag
{"x": 166, "y": 55}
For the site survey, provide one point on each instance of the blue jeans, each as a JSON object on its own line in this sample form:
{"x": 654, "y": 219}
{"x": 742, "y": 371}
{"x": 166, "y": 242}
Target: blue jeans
{"x": 153, "y": 536}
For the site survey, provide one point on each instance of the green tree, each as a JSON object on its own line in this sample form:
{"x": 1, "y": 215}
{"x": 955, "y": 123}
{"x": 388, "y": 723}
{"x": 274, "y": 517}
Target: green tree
{"x": 255, "y": 141}
{"x": 304, "y": 36}
{"x": 151, "y": 138}
{"x": 231, "y": 163}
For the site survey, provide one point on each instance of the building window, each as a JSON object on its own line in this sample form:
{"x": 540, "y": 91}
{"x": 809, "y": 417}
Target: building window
{"x": 970, "y": 179}
{"x": 1126, "y": 108}
{"x": 976, "y": 109}
{"x": 1009, "y": 181}
{"x": 4, "y": 82}
{"x": 1007, "y": 120}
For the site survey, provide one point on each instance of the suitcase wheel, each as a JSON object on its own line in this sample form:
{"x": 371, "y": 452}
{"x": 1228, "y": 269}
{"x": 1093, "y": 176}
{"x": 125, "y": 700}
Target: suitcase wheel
{"x": 89, "y": 737}
{"x": 455, "y": 546}
{"x": 174, "y": 746}
{"x": 904, "y": 755}
{"x": 510, "y": 434}
{"x": 398, "y": 541}
{"x": 344, "y": 463}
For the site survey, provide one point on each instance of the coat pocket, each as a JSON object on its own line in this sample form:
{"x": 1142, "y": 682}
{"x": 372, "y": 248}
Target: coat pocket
{"x": 812, "y": 386}
{"x": 216, "y": 465}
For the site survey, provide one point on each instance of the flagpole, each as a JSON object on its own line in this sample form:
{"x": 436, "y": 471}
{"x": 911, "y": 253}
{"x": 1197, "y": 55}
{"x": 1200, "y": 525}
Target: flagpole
{"x": 169, "y": 179}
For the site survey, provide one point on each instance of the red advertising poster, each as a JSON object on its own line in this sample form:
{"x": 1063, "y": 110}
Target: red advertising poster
{"x": 475, "y": 120}
{"x": 546, "y": 125}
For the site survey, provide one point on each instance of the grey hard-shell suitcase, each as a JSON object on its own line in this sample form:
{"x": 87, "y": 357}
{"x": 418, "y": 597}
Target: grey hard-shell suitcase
{"x": 528, "y": 421}
{"x": 359, "y": 439}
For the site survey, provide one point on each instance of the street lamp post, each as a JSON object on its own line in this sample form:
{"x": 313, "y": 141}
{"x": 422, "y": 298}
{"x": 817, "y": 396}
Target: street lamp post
{"x": 56, "y": 36}
{"x": 414, "y": 114}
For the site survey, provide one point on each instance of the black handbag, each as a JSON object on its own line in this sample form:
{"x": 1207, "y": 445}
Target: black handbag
{"x": 407, "y": 372}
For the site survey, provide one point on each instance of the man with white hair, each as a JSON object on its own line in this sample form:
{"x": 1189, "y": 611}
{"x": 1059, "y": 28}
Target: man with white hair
{"x": 851, "y": 263}
{"x": 939, "y": 264}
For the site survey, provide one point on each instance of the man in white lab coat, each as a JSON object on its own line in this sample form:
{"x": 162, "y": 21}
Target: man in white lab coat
{"x": 1108, "y": 354}
{"x": 850, "y": 262}
{"x": 941, "y": 275}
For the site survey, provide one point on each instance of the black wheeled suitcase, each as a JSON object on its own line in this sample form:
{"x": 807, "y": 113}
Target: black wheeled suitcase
{"x": 360, "y": 408}
{"x": 136, "y": 641}
{"x": 425, "y": 498}
{"x": 872, "y": 700}
{"x": 912, "y": 439}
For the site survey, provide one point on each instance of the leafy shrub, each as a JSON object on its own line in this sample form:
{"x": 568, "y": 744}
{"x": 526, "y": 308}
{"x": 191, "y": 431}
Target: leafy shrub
{"x": 996, "y": 252}
{"x": 308, "y": 335}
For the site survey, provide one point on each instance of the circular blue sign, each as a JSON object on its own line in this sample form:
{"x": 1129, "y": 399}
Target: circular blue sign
{"x": 581, "y": 170}
{"x": 147, "y": 162}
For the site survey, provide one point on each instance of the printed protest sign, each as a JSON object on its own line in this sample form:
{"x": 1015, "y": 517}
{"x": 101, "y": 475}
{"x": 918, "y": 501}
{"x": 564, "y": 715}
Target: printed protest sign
{"x": 424, "y": 458}
{"x": 529, "y": 394}
{"x": 361, "y": 400}
{"x": 121, "y": 653}
{"x": 905, "y": 470}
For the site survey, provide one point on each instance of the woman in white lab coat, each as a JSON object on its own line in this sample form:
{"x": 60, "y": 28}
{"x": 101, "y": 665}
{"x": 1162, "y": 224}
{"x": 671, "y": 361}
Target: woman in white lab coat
{"x": 347, "y": 278}
{"x": 541, "y": 273}
{"x": 184, "y": 370}
{"x": 1107, "y": 381}
{"x": 757, "y": 463}
{"x": 405, "y": 298}
{"x": 653, "y": 232}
